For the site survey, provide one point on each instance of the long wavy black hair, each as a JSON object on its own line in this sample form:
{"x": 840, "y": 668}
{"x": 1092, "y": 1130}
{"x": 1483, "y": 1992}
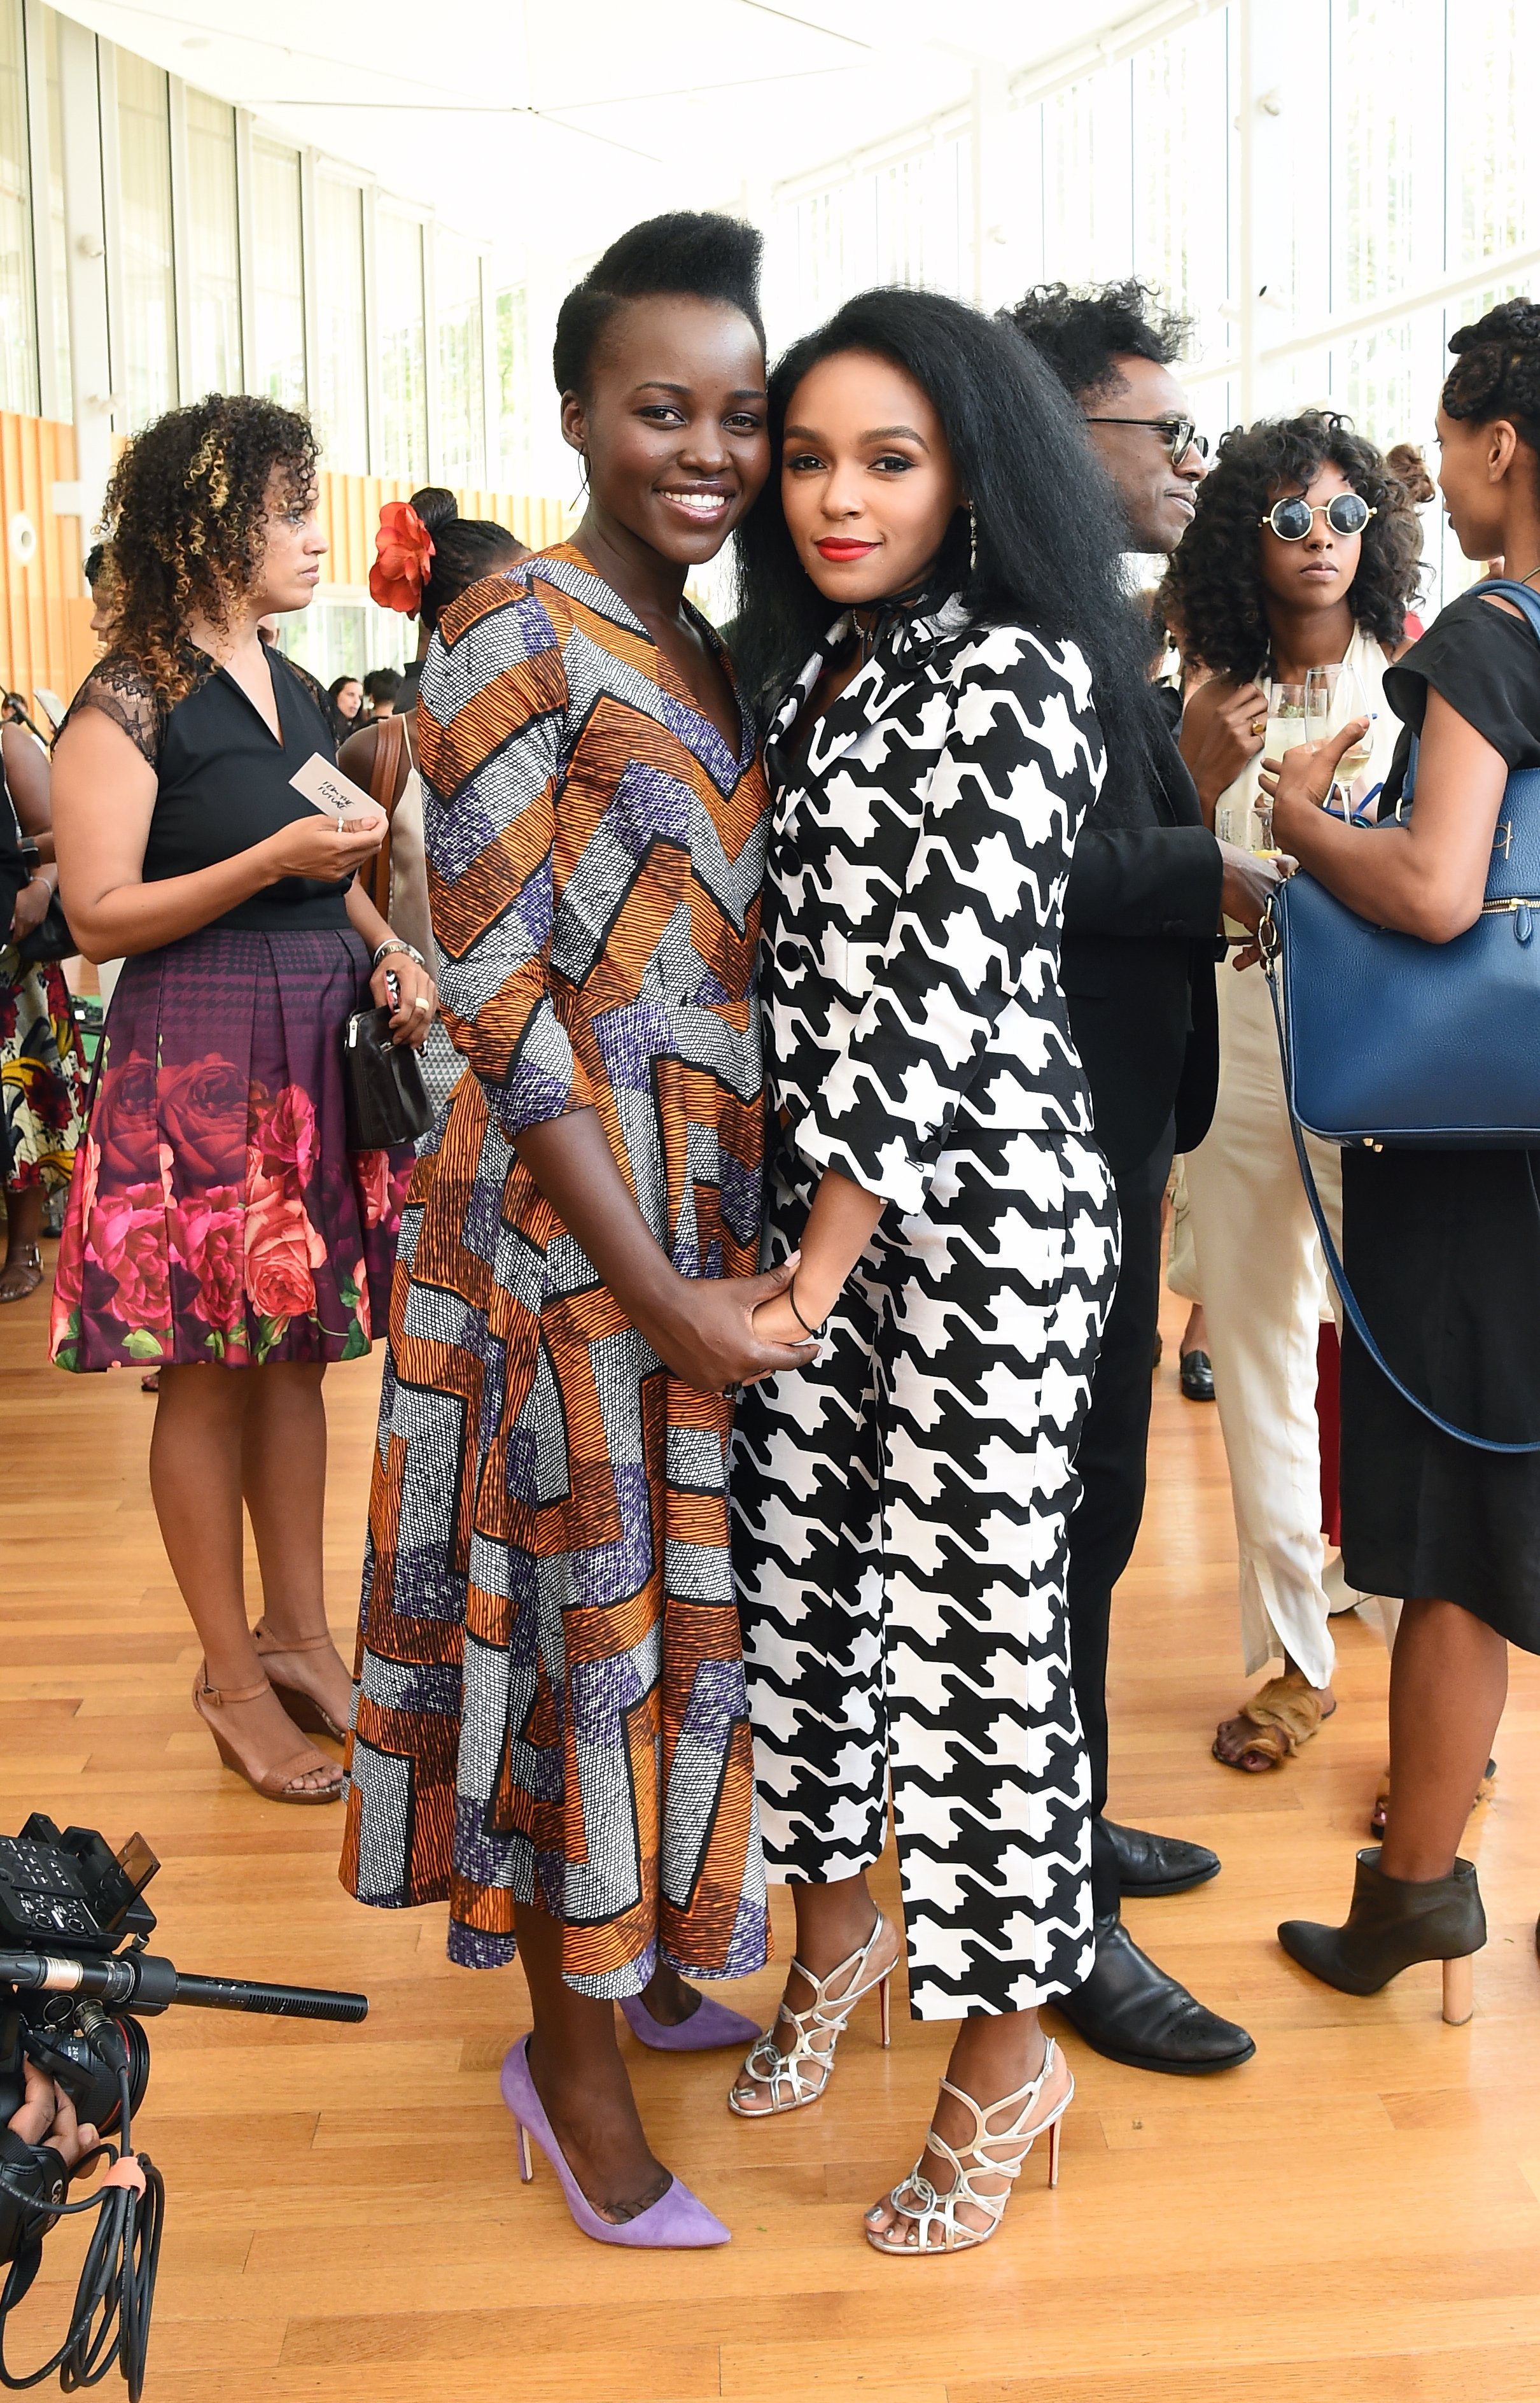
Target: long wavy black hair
{"x": 1213, "y": 585}
{"x": 1049, "y": 531}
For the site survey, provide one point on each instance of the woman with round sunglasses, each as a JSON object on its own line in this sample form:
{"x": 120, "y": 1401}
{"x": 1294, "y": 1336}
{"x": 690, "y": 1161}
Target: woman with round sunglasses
{"x": 1302, "y": 554}
{"x": 1442, "y": 1248}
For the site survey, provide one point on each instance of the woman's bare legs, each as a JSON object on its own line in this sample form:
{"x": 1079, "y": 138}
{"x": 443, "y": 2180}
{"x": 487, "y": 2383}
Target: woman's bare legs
{"x": 1448, "y": 1680}
{"x": 990, "y": 2057}
{"x": 283, "y": 1481}
{"x": 196, "y": 1456}
{"x": 580, "y": 2078}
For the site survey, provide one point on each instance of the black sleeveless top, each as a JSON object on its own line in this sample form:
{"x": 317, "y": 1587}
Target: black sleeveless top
{"x": 223, "y": 778}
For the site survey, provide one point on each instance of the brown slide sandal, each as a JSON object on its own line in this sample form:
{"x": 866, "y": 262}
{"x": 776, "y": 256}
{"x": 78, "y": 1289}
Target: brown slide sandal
{"x": 1285, "y": 1712}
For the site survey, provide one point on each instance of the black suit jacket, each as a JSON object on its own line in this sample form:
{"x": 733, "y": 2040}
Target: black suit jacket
{"x": 1140, "y": 939}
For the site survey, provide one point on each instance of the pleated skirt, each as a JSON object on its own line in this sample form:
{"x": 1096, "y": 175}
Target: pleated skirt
{"x": 217, "y": 1213}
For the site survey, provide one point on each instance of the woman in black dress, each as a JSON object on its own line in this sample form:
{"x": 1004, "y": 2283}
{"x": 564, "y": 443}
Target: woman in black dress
{"x": 1442, "y": 1248}
{"x": 219, "y": 1221}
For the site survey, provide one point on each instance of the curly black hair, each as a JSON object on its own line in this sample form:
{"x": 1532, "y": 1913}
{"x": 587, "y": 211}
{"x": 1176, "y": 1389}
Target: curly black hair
{"x": 186, "y": 520}
{"x": 697, "y": 252}
{"x": 464, "y": 550}
{"x": 1083, "y": 334}
{"x": 1215, "y": 579}
{"x": 1497, "y": 369}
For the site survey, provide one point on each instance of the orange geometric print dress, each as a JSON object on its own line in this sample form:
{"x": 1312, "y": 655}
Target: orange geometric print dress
{"x": 551, "y": 1704}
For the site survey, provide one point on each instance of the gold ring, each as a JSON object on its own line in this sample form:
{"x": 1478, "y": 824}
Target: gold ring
{"x": 1260, "y": 726}
{"x": 422, "y": 1002}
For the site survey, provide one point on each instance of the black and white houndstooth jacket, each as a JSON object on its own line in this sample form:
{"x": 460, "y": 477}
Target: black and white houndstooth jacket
{"x": 919, "y": 855}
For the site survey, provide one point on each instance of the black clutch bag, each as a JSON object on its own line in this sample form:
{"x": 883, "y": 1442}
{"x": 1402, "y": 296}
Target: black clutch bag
{"x": 49, "y": 940}
{"x": 388, "y": 1102}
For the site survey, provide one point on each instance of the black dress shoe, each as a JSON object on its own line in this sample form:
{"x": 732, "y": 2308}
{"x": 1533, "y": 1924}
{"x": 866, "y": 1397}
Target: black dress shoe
{"x": 1391, "y": 1923}
{"x": 1149, "y": 1864}
{"x": 1133, "y": 2012}
{"x": 1198, "y": 1375}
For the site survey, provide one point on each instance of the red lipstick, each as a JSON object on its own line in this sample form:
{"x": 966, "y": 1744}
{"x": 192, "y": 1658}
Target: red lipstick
{"x": 843, "y": 546}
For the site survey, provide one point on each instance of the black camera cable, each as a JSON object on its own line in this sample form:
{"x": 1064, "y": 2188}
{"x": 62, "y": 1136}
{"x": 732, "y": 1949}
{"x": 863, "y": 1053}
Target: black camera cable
{"x": 116, "y": 2293}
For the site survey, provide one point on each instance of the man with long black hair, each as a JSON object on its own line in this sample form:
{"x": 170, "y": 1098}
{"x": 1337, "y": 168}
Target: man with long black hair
{"x": 1147, "y": 887}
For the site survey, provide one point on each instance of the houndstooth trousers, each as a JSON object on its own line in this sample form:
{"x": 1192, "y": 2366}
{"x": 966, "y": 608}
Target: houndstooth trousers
{"x": 899, "y": 1514}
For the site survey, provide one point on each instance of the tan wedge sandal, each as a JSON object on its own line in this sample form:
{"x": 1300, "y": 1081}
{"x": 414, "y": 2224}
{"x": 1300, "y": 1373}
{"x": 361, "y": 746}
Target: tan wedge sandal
{"x": 278, "y": 1784}
{"x": 302, "y": 1706}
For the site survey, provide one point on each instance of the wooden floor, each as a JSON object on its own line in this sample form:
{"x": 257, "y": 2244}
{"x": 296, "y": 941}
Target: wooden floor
{"x": 1356, "y": 2214}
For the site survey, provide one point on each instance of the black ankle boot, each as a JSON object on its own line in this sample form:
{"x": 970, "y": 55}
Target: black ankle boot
{"x": 1392, "y": 1923}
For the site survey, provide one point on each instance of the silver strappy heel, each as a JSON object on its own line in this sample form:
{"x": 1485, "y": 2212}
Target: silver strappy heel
{"x": 790, "y": 2075}
{"x": 937, "y": 2229}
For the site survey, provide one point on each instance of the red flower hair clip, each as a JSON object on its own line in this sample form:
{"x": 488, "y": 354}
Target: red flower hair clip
{"x": 403, "y": 548}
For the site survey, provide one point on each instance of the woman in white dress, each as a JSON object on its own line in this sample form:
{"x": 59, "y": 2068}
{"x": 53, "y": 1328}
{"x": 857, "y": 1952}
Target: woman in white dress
{"x": 1303, "y": 554}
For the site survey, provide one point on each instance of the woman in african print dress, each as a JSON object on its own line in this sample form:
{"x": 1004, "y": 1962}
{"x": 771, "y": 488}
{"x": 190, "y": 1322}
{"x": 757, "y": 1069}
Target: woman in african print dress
{"x": 550, "y": 1727}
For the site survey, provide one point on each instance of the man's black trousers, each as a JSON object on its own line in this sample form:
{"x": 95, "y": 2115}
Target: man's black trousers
{"x": 1111, "y": 1467}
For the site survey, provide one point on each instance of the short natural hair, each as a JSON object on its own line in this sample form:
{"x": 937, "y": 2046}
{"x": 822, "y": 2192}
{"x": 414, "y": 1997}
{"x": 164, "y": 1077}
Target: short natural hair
{"x": 698, "y": 253}
{"x": 1083, "y": 334}
{"x": 383, "y": 684}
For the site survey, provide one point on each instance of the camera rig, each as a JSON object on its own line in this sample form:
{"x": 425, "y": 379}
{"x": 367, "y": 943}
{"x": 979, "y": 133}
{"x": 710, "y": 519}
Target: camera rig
{"x": 75, "y": 1980}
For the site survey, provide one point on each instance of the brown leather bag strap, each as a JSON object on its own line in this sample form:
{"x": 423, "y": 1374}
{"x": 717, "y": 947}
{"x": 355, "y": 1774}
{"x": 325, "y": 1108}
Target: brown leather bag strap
{"x": 387, "y": 783}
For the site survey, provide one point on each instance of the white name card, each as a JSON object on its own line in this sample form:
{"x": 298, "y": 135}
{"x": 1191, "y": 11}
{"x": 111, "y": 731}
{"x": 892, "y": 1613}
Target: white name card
{"x": 326, "y": 788}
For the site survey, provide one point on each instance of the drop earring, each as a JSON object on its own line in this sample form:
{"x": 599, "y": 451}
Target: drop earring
{"x": 973, "y": 540}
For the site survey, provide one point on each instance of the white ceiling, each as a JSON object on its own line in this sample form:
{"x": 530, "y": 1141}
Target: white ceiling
{"x": 557, "y": 124}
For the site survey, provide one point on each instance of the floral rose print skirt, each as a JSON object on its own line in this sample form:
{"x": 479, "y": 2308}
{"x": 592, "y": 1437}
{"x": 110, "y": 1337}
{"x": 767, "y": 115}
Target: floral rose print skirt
{"x": 217, "y": 1212}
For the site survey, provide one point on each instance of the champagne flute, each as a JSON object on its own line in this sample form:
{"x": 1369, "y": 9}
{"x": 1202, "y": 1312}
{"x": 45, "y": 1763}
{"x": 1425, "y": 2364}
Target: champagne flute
{"x": 1333, "y": 697}
{"x": 1287, "y": 726}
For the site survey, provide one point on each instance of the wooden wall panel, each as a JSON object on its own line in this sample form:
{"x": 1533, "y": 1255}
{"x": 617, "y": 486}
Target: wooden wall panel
{"x": 45, "y": 609}
{"x": 34, "y": 598}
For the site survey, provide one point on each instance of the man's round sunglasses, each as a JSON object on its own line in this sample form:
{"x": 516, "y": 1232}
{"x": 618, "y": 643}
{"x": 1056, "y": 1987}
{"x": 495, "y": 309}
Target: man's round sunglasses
{"x": 1292, "y": 518}
{"x": 1179, "y": 434}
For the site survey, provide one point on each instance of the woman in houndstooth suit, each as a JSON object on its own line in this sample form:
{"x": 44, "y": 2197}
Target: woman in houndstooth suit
{"x": 900, "y": 1502}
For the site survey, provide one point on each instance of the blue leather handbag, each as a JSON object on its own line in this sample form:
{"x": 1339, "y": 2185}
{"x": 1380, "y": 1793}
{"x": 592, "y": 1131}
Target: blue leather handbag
{"x": 1388, "y": 1040}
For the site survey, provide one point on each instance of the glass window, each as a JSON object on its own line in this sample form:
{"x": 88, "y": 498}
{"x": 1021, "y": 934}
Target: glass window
{"x": 1087, "y": 200}
{"x": 17, "y": 313}
{"x": 1387, "y": 127}
{"x": 1493, "y": 76}
{"x": 513, "y": 388}
{"x": 461, "y": 408}
{"x": 1181, "y": 212}
{"x": 59, "y": 299}
{"x": 403, "y": 383}
{"x": 339, "y": 390}
{"x": 213, "y": 249}
{"x": 144, "y": 332}
{"x": 280, "y": 273}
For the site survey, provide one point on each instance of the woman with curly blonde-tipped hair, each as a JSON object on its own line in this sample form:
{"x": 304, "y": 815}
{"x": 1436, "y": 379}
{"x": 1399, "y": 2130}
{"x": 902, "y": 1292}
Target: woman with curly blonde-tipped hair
{"x": 217, "y": 1221}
